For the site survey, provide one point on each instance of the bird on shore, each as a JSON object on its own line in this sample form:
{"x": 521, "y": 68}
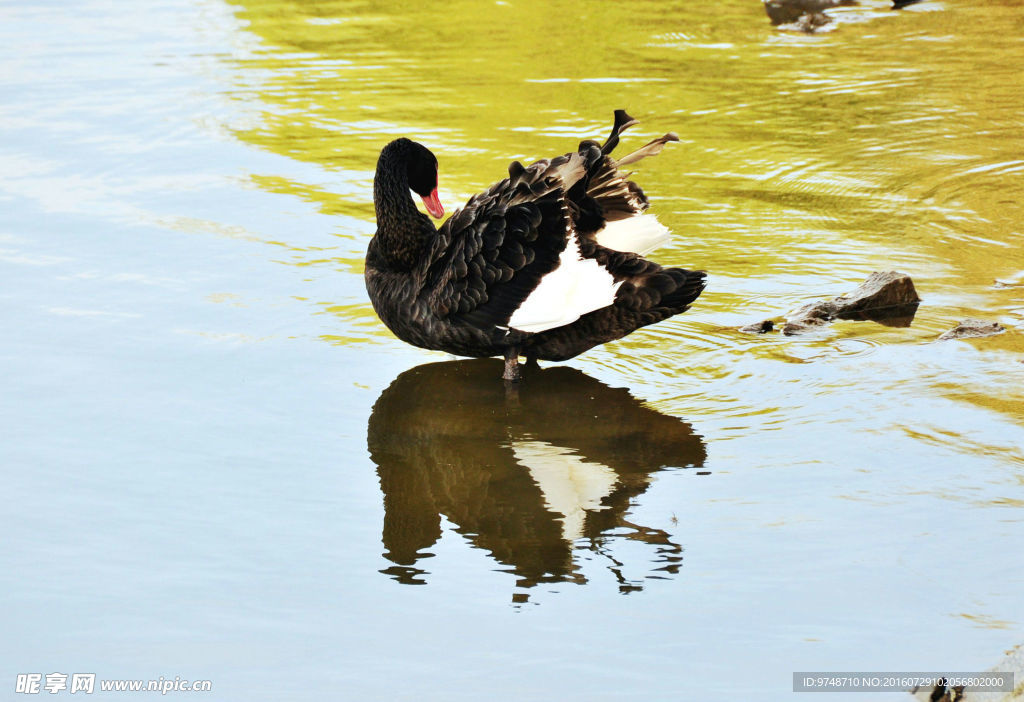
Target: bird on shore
{"x": 545, "y": 264}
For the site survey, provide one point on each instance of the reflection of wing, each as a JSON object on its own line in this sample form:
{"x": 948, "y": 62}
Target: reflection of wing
{"x": 477, "y": 485}
{"x": 570, "y": 486}
{"x": 522, "y": 477}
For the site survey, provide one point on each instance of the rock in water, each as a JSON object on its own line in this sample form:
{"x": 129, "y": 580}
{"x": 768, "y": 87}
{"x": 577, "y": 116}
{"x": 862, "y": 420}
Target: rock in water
{"x": 786, "y": 11}
{"x": 808, "y": 317}
{"x": 972, "y": 328}
{"x": 758, "y": 327}
{"x": 811, "y": 23}
{"x": 1009, "y": 669}
{"x": 888, "y": 298}
{"x": 882, "y": 296}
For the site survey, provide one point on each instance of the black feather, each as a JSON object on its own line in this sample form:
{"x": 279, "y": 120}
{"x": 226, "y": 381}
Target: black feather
{"x": 456, "y": 288}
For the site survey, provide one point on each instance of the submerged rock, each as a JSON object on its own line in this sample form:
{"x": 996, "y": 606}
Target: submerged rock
{"x": 809, "y": 317}
{"x": 813, "y": 22}
{"x": 758, "y": 327}
{"x": 885, "y": 297}
{"x": 973, "y": 328}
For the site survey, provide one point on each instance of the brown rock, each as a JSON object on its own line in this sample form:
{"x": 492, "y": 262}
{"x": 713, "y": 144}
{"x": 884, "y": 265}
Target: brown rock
{"x": 813, "y": 22}
{"x": 888, "y": 298}
{"x": 758, "y": 327}
{"x": 881, "y": 291}
{"x": 972, "y": 328}
{"x": 808, "y": 317}
{"x": 786, "y": 11}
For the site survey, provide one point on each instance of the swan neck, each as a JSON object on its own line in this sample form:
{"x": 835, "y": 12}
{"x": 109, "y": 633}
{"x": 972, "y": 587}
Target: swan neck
{"x": 401, "y": 228}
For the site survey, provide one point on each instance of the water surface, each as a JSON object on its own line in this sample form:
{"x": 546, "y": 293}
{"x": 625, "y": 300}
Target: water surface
{"x": 220, "y": 465}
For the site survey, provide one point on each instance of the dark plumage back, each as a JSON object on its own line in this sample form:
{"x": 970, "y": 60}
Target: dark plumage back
{"x": 482, "y": 283}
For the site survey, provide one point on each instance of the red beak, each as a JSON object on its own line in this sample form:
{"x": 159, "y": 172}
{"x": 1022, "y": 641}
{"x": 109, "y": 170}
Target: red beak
{"x": 433, "y": 204}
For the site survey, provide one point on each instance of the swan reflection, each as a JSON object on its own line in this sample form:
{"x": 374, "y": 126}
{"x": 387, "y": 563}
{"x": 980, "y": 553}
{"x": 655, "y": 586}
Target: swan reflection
{"x": 539, "y": 476}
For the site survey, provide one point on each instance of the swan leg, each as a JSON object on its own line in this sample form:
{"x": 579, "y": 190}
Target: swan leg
{"x": 512, "y": 373}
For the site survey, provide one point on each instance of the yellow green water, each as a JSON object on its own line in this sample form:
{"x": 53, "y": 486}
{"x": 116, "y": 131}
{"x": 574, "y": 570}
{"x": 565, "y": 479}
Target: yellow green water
{"x": 806, "y": 162}
{"x": 221, "y": 465}
{"x": 804, "y": 158}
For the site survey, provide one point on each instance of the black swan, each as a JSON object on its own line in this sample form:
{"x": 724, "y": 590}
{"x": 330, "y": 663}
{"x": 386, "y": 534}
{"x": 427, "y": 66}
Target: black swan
{"x": 546, "y": 264}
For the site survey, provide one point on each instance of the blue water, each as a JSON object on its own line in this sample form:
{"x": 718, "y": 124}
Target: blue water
{"x": 193, "y": 383}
